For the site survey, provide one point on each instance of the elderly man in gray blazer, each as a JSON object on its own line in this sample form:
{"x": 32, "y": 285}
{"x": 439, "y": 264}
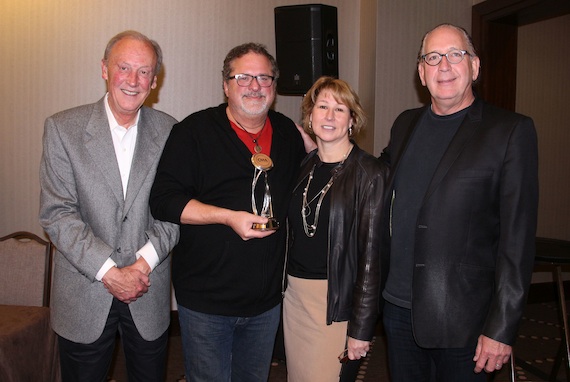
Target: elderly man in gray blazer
{"x": 112, "y": 265}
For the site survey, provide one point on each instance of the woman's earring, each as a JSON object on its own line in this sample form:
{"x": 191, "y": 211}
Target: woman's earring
{"x": 310, "y": 128}
{"x": 350, "y": 131}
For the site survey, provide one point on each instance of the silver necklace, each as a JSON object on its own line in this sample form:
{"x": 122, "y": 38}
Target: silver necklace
{"x": 311, "y": 229}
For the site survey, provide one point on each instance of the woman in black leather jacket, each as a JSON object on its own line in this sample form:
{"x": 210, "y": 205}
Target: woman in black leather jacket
{"x": 333, "y": 271}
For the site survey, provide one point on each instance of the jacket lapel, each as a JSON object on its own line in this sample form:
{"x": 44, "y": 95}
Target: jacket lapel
{"x": 146, "y": 150}
{"x": 400, "y": 149}
{"x": 99, "y": 144}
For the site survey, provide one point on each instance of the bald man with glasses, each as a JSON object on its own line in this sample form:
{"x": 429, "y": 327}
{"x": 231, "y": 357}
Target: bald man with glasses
{"x": 459, "y": 248}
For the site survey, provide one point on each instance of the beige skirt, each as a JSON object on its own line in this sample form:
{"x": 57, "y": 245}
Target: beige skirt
{"x": 311, "y": 346}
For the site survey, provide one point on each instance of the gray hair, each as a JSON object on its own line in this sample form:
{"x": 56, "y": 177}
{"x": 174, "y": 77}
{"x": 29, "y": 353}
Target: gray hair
{"x": 135, "y": 36}
{"x": 242, "y": 50}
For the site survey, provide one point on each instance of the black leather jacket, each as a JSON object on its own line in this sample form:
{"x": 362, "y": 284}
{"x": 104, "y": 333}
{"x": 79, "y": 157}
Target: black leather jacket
{"x": 354, "y": 241}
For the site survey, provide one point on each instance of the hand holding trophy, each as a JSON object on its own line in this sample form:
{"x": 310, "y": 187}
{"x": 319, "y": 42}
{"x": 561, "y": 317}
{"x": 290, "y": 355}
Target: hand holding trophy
{"x": 262, "y": 163}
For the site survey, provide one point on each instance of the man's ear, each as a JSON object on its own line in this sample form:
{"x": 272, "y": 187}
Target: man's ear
{"x": 475, "y": 67}
{"x": 225, "y": 86}
{"x": 421, "y": 73}
{"x": 104, "y": 70}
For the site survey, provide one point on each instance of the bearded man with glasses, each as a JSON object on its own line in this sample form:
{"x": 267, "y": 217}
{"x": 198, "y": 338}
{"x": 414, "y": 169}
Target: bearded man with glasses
{"x": 218, "y": 166}
{"x": 460, "y": 236}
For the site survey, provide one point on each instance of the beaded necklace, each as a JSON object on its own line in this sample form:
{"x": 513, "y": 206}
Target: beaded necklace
{"x": 311, "y": 229}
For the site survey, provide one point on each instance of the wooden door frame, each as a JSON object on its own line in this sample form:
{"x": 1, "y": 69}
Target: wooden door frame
{"x": 495, "y": 26}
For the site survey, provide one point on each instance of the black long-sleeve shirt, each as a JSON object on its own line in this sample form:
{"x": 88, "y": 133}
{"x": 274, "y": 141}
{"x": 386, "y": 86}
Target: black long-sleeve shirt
{"x": 214, "y": 271}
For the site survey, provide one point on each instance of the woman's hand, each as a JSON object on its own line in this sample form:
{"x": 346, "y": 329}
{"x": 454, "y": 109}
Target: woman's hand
{"x": 357, "y": 349}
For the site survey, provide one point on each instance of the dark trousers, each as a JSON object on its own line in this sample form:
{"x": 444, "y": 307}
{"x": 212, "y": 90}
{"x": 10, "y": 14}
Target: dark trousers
{"x": 411, "y": 363}
{"x": 146, "y": 360}
{"x": 349, "y": 371}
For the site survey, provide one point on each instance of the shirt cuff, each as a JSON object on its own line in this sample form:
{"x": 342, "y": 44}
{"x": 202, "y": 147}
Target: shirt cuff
{"x": 149, "y": 254}
{"x": 109, "y": 263}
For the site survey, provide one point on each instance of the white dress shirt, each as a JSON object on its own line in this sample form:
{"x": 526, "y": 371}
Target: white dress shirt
{"x": 124, "y": 141}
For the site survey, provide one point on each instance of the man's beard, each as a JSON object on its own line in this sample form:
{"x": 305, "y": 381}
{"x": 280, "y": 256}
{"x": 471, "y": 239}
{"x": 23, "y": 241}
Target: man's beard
{"x": 255, "y": 107}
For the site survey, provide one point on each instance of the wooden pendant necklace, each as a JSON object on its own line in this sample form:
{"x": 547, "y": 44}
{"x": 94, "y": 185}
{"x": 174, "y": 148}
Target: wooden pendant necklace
{"x": 257, "y": 148}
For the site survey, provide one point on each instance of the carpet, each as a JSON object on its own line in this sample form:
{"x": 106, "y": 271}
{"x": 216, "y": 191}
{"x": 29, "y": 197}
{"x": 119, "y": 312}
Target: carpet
{"x": 538, "y": 343}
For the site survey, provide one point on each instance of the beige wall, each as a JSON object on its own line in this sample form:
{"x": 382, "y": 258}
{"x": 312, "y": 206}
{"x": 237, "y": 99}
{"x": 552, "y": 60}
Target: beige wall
{"x": 51, "y": 51}
{"x": 401, "y": 26}
{"x": 542, "y": 93}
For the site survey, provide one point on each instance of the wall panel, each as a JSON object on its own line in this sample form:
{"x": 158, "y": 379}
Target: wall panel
{"x": 542, "y": 87}
{"x": 400, "y": 28}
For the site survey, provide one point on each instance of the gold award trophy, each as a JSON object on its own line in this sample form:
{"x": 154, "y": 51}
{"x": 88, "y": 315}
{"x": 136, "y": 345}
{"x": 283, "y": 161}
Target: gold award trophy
{"x": 262, "y": 164}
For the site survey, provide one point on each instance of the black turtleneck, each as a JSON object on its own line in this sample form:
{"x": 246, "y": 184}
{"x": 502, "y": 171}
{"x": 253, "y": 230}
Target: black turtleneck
{"x": 427, "y": 145}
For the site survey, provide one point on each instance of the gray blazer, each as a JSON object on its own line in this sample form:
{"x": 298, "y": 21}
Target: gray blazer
{"x": 83, "y": 211}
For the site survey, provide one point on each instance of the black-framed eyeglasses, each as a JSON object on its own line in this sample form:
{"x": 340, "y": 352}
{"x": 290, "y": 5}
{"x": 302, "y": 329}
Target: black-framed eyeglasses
{"x": 263, "y": 80}
{"x": 454, "y": 56}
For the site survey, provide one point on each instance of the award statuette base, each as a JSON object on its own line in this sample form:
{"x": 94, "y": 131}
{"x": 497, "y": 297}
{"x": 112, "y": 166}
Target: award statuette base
{"x": 272, "y": 224}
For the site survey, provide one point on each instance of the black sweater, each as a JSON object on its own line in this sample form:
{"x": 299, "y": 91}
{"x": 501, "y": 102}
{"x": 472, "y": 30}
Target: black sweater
{"x": 214, "y": 271}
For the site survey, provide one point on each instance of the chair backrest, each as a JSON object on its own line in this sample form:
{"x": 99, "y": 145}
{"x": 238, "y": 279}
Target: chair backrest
{"x": 25, "y": 270}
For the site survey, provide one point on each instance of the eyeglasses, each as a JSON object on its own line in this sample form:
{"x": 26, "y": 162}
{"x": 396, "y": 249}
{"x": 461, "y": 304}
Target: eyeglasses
{"x": 453, "y": 57}
{"x": 245, "y": 79}
{"x": 343, "y": 357}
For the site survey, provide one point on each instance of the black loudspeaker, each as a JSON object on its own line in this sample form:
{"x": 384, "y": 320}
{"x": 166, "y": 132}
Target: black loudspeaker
{"x": 306, "y": 40}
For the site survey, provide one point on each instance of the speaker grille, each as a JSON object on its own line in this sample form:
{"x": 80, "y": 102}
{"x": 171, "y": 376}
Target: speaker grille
{"x": 306, "y": 40}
